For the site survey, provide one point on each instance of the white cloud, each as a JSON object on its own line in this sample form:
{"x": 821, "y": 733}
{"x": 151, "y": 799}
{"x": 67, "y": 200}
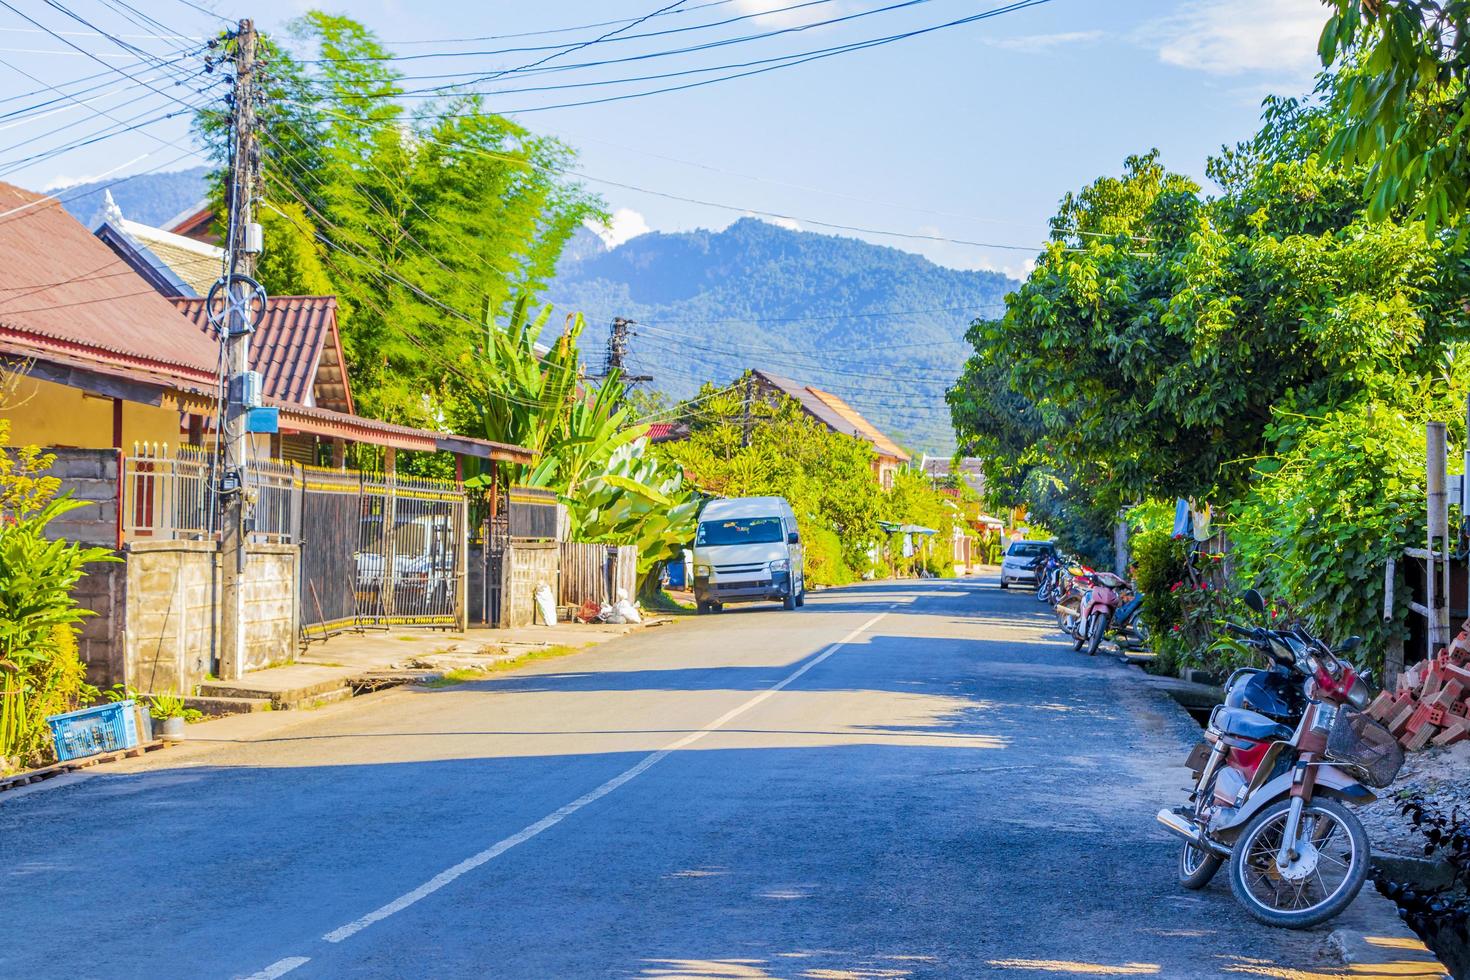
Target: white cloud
{"x": 788, "y": 223}
{"x": 624, "y": 224}
{"x": 1232, "y": 37}
{"x": 67, "y": 181}
{"x": 770, "y": 14}
{"x": 1036, "y": 43}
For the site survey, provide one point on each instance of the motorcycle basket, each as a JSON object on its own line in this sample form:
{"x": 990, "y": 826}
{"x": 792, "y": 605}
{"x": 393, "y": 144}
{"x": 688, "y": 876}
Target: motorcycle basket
{"x": 1359, "y": 741}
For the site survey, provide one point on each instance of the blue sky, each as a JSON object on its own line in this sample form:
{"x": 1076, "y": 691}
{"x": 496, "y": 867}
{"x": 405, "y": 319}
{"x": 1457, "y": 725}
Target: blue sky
{"x": 971, "y": 133}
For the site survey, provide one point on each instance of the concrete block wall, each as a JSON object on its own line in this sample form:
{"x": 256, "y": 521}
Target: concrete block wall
{"x": 271, "y": 608}
{"x": 526, "y": 564}
{"x": 91, "y": 475}
{"x": 171, "y": 614}
{"x": 173, "y": 592}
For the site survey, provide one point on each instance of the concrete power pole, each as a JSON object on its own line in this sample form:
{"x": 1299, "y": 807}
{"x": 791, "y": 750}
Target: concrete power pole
{"x": 241, "y": 243}
{"x": 749, "y": 393}
{"x": 1437, "y": 565}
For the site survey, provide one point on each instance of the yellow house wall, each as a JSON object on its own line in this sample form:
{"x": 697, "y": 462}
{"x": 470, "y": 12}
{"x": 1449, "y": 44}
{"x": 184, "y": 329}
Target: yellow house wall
{"x": 45, "y": 414}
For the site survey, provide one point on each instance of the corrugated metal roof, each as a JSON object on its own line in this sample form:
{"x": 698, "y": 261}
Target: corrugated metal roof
{"x": 62, "y": 288}
{"x": 295, "y": 348}
{"x": 834, "y": 413}
{"x": 197, "y": 263}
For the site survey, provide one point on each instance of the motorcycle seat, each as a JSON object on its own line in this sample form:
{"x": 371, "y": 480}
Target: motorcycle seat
{"x": 1243, "y": 723}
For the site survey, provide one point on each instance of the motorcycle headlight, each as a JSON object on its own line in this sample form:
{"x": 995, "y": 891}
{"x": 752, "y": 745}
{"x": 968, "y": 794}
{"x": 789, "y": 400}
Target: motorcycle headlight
{"x": 780, "y": 565}
{"x": 1358, "y": 695}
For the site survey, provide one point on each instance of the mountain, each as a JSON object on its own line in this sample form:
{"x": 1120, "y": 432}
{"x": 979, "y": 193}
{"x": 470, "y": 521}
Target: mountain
{"x": 881, "y": 327}
{"x": 149, "y": 199}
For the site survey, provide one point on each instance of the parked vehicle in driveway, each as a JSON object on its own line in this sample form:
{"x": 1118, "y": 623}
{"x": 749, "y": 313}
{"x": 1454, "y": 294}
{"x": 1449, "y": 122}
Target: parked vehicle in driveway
{"x": 1289, "y": 747}
{"x": 1019, "y": 565}
{"x": 747, "y": 550}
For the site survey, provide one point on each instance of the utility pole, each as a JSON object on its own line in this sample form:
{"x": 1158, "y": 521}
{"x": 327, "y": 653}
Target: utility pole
{"x": 745, "y": 430}
{"x": 1437, "y": 564}
{"x": 243, "y": 241}
{"x": 619, "y": 339}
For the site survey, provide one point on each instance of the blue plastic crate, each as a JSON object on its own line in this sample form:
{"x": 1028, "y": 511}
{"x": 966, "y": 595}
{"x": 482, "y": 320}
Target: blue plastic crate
{"x": 105, "y": 728}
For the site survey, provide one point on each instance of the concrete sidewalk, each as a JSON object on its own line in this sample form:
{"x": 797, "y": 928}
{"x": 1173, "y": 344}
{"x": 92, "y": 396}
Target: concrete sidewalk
{"x": 349, "y": 663}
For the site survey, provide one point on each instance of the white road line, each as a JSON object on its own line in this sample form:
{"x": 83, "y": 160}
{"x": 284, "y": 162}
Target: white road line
{"x": 495, "y": 850}
{"x": 280, "y": 968}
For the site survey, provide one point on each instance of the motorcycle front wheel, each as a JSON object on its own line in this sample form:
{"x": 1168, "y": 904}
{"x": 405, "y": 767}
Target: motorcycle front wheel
{"x": 1197, "y": 867}
{"x": 1323, "y": 881}
{"x": 1096, "y": 627}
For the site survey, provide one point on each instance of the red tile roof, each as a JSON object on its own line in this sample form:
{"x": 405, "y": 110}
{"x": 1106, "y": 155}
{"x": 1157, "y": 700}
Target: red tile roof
{"x": 295, "y": 348}
{"x": 61, "y": 289}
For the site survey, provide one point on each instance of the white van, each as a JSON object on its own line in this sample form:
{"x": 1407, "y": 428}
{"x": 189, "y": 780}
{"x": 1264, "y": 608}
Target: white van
{"x": 747, "y": 550}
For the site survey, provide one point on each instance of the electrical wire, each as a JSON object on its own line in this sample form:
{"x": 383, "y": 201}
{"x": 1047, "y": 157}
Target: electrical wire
{"x": 571, "y": 46}
{"x": 557, "y": 30}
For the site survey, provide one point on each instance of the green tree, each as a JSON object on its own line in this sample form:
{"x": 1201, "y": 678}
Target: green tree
{"x": 416, "y": 221}
{"x": 1399, "y": 85}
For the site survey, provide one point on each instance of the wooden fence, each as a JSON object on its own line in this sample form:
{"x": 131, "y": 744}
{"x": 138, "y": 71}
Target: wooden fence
{"x": 596, "y": 572}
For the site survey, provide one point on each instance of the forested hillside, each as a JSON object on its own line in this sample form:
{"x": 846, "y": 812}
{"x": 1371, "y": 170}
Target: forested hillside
{"x": 881, "y": 327}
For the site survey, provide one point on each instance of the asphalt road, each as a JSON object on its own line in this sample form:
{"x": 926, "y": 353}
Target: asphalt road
{"x": 900, "y": 780}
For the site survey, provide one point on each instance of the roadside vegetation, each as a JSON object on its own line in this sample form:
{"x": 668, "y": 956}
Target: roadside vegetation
{"x": 828, "y": 478}
{"x": 40, "y": 672}
{"x": 1273, "y": 349}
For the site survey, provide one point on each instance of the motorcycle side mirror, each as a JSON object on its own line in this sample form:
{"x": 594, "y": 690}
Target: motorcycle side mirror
{"x": 1350, "y": 644}
{"x": 1254, "y": 600}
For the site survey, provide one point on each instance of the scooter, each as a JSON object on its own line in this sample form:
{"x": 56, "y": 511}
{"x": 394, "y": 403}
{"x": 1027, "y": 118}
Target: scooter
{"x": 1073, "y": 583}
{"x": 1099, "y": 601}
{"x": 1289, "y": 747}
{"x": 1127, "y": 626}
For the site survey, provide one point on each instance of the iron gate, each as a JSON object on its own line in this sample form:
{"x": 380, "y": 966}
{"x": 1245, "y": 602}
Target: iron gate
{"x": 380, "y": 550}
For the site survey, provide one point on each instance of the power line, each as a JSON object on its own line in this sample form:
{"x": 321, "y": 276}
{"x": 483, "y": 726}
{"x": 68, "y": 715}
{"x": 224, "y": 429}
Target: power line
{"x": 557, "y": 30}
{"x": 740, "y": 209}
{"x": 571, "y": 46}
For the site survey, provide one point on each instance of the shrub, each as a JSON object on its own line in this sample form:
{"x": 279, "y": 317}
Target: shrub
{"x": 37, "y": 648}
{"x": 822, "y": 560}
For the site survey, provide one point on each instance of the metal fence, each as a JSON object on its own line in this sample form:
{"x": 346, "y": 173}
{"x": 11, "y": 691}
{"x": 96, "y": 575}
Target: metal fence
{"x": 376, "y": 550}
{"x": 165, "y": 493}
{"x": 272, "y": 491}
{"x": 595, "y": 573}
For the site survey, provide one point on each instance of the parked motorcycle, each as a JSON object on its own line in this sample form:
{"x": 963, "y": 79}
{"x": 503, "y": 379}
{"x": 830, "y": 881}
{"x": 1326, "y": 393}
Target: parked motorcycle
{"x": 1101, "y": 597}
{"x": 1073, "y": 580}
{"x": 1048, "y": 578}
{"x": 1290, "y": 745}
{"x": 1127, "y": 627}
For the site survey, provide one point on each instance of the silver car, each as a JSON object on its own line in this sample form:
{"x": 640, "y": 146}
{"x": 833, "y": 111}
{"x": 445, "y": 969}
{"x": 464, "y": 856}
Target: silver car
{"x": 1018, "y": 565}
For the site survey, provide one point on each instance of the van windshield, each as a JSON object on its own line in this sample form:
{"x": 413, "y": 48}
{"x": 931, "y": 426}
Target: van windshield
{"x": 1029, "y": 549}
{"x": 739, "y": 530}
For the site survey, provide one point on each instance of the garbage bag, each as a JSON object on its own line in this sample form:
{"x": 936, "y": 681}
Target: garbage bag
{"x": 545, "y": 603}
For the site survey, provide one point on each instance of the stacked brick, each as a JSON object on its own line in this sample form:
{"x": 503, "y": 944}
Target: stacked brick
{"x": 1431, "y": 703}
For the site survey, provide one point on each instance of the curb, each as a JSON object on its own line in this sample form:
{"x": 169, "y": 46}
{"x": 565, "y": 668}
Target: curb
{"x": 1389, "y": 956}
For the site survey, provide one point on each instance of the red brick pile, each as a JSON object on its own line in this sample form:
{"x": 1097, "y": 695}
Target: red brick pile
{"x": 1431, "y": 705}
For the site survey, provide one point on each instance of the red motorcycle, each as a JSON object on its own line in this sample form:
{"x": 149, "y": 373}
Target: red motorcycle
{"x": 1101, "y": 597}
{"x": 1273, "y": 773}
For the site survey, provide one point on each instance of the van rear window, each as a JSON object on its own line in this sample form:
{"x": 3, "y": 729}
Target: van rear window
{"x": 739, "y": 530}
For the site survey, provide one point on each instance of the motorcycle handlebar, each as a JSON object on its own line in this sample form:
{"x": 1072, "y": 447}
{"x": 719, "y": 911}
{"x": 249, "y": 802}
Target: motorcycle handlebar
{"x": 1241, "y": 630}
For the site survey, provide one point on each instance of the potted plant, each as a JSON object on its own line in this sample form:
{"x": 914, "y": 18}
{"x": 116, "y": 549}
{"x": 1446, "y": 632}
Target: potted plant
{"x": 171, "y": 710}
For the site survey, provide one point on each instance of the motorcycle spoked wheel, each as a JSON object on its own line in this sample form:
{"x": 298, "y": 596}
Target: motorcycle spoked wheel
{"x": 1197, "y": 867}
{"x": 1097, "y": 625}
{"x": 1336, "y": 865}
